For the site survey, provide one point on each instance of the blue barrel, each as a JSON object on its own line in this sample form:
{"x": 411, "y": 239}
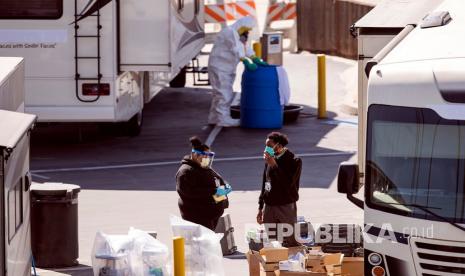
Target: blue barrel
{"x": 260, "y": 105}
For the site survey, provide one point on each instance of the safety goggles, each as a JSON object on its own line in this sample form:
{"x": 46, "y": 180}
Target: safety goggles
{"x": 204, "y": 153}
{"x": 207, "y": 160}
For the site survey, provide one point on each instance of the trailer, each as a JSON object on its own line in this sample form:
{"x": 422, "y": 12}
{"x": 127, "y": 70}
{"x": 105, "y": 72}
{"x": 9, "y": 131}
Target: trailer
{"x": 99, "y": 60}
{"x": 413, "y": 128}
{"x": 15, "y": 180}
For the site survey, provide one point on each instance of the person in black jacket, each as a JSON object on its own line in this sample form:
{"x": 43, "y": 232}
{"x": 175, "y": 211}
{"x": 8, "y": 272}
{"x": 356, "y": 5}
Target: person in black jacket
{"x": 197, "y": 185}
{"x": 280, "y": 186}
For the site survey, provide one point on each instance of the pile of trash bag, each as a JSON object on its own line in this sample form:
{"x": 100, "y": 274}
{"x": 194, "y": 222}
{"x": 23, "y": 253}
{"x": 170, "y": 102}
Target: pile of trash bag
{"x": 137, "y": 253}
{"x": 203, "y": 255}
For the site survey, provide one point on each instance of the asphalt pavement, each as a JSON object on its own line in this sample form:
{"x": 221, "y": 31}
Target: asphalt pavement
{"x": 129, "y": 181}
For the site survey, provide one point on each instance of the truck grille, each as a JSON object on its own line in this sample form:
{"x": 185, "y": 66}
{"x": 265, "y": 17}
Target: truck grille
{"x": 438, "y": 257}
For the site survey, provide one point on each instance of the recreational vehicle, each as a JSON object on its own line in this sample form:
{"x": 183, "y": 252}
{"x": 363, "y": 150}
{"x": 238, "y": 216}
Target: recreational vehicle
{"x": 15, "y": 180}
{"x": 12, "y": 84}
{"x": 99, "y": 60}
{"x": 413, "y": 128}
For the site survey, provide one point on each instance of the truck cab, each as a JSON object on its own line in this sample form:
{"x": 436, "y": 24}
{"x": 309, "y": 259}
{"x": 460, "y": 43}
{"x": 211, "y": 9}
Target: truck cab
{"x": 414, "y": 157}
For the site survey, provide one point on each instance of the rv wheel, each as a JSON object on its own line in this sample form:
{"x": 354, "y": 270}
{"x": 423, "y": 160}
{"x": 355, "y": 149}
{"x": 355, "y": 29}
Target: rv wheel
{"x": 180, "y": 80}
{"x": 134, "y": 125}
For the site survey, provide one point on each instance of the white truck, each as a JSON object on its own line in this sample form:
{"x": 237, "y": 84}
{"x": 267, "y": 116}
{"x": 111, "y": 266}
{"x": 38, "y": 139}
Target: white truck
{"x": 99, "y": 60}
{"x": 412, "y": 150}
{"x": 15, "y": 180}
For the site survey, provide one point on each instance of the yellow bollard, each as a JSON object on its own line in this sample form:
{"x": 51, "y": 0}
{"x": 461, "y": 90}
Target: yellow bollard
{"x": 178, "y": 253}
{"x": 321, "y": 86}
{"x": 257, "y": 48}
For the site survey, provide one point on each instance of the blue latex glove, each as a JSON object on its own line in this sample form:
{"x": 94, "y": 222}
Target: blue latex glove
{"x": 223, "y": 190}
{"x": 249, "y": 65}
{"x": 259, "y": 62}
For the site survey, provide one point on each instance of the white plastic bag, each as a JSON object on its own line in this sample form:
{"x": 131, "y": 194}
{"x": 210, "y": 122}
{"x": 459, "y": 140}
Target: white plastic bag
{"x": 111, "y": 255}
{"x": 149, "y": 256}
{"x": 134, "y": 254}
{"x": 203, "y": 255}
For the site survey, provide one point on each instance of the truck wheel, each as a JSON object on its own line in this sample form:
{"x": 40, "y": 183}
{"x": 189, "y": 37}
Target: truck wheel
{"x": 134, "y": 125}
{"x": 180, "y": 80}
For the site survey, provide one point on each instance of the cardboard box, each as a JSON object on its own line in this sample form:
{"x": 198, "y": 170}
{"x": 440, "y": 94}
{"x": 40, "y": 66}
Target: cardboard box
{"x": 258, "y": 264}
{"x": 274, "y": 255}
{"x": 333, "y": 269}
{"x": 352, "y": 266}
{"x": 254, "y": 264}
{"x": 268, "y": 273}
{"x": 308, "y": 273}
{"x": 315, "y": 263}
{"x": 333, "y": 259}
{"x": 269, "y": 266}
{"x": 328, "y": 263}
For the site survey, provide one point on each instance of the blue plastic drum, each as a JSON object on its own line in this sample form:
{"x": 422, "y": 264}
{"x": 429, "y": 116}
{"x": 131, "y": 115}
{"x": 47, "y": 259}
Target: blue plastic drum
{"x": 260, "y": 105}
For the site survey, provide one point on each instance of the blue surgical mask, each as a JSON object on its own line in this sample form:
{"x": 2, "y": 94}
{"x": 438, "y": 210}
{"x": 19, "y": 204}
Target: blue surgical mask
{"x": 270, "y": 151}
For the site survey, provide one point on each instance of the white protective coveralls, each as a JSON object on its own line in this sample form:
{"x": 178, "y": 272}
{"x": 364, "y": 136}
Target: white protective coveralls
{"x": 226, "y": 54}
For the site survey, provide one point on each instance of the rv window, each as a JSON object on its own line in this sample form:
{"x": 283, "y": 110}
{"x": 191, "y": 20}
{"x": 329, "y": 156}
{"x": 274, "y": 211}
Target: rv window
{"x": 15, "y": 209}
{"x": 31, "y": 9}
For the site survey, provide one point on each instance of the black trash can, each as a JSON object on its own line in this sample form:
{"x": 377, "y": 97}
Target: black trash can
{"x": 54, "y": 224}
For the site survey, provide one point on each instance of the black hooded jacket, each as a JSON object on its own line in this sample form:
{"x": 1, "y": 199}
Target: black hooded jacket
{"x": 196, "y": 187}
{"x": 284, "y": 180}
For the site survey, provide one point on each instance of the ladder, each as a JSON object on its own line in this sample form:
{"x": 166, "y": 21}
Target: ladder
{"x": 77, "y": 58}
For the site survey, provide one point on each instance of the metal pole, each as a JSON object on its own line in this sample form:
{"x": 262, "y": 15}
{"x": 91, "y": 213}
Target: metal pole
{"x": 178, "y": 254}
{"x": 257, "y": 48}
{"x": 321, "y": 87}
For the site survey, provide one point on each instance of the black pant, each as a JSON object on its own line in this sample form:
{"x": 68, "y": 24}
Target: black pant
{"x": 275, "y": 215}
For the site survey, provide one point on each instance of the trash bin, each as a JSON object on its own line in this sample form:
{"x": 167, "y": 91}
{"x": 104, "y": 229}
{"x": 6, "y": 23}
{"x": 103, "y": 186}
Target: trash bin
{"x": 260, "y": 103}
{"x": 54, "y": 224}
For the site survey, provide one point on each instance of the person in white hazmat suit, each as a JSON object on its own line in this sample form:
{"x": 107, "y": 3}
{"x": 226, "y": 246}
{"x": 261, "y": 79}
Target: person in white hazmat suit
{"x": 229, "y": 49}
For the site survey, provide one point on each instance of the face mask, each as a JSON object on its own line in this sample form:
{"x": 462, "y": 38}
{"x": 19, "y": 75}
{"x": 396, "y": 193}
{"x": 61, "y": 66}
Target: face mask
{"x": 270, "y": 151}
{"x": 206, "y": 162}
{"x": 207, "y": 158}
{"x": 244, "y": 37}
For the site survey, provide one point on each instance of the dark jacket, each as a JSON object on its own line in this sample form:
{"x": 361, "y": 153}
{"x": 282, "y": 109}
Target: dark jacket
{"x": 285, "y": 180}
{"x": 196, "y": 187}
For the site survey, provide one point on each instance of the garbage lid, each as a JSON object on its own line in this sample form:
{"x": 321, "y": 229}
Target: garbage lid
{"x": 55, "y": 190}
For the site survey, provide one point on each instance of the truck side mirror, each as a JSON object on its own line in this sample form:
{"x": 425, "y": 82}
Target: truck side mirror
{"x": 348, "y": 180}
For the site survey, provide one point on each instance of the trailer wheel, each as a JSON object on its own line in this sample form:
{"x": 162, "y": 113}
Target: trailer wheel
{"x": 134, "y": 125}
{"x": 180, "y": 80}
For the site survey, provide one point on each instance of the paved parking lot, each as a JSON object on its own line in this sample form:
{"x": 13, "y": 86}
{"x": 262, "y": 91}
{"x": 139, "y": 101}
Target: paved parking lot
{"x": 129, "y": 181}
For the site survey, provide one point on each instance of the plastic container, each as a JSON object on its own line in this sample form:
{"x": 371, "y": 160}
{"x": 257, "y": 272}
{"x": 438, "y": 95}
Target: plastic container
{"x": 260, "y": 105}
{"x": 54, "y": 224}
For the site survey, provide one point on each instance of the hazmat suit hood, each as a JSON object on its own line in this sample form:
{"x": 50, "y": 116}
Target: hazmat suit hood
{"x": 248, "y": 22}
{"x": 228, "y": 49}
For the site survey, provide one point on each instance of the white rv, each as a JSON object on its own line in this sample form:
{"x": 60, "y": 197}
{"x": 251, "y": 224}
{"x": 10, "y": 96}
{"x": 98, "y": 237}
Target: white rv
{"x": 15, "y": 180}
{"x": 12, "y": 84}
{"x": 99, "y": 60}
{"x": 415, "y": 149}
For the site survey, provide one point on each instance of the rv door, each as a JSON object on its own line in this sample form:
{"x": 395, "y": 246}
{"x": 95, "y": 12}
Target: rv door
{"x": 160, "y": 36}
{"x": 144, "y": 35}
